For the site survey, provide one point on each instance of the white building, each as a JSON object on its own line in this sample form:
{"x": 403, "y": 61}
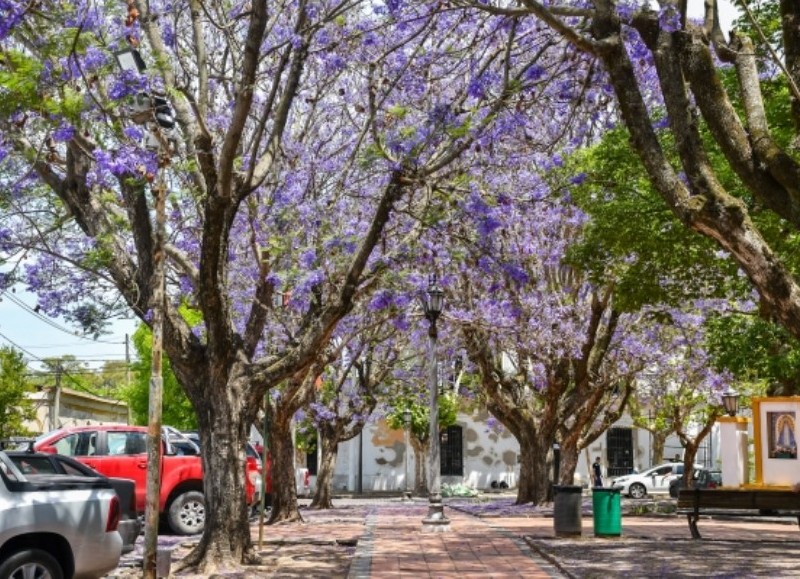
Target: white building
{"x": 476, "y": 455}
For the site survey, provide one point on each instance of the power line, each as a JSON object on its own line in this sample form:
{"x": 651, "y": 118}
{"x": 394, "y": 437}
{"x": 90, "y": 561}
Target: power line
{"x": 34, "y": 312}
{"x": 60, "y": 371}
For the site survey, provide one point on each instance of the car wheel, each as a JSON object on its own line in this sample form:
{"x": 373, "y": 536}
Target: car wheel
{"x": 31, "y": 563}
{"x": 187, "y": 513}
{"x": 637, "y": 491}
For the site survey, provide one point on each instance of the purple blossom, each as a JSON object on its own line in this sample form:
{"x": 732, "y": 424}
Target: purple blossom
{"x": 127, "y": 83}
{"x": 308, "y": 258}
{"x": 381, "y": 300}
{"x": 516, "y": 273}
{"x": 488, "y": 225}
{"x": 533, "y": 73}
{"x": 94, "y": 59}
{"x": 133, "y": 133}
{"x": 578, "y": 179}
{"x": 11, "y": 14}
{"x": 64, "y": 132}
{"x": 169, "y": 36}
{"x": 669, "y": 18}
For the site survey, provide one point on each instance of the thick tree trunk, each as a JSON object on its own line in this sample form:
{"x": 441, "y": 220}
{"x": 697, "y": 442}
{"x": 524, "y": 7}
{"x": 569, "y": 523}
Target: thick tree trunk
{"x": 226, "y": 542}
{"x": 569, "y": 463}
{"x": 534, "y": 471}
{"x": 329, "y": 448}
{"x": 284, "y": 487}
{"x": 420, "y": 467}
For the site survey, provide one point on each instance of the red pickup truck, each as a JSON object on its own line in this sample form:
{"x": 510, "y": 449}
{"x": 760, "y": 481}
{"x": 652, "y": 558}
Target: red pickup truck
{"x": 120, "y": 451}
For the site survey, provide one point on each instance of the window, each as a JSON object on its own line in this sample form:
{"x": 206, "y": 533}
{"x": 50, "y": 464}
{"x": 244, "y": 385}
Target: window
{"x": 78, "y": 444}
{"x": 125, "y": 443}
{"x": 451, "y": 458}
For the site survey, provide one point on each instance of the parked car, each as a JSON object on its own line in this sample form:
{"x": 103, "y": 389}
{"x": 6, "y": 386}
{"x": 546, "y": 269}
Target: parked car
{"x": 654, "y": 480}
{"x": 253, "y": 466}
{"x": 39, "y": 536}
{"x": 33, "y": 464}
{"x": 701, "y": 479}
{"x": 120, "y": 451}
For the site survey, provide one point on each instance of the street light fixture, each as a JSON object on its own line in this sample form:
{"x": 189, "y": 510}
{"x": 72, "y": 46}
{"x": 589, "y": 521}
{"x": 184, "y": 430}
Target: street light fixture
{"x": 436, "y": 521}
{"x": 130, "y": 60}
{"x": 730, "y": 401}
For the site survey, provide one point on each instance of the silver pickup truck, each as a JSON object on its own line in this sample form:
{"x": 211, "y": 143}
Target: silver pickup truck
{"x": 56, "y": 526}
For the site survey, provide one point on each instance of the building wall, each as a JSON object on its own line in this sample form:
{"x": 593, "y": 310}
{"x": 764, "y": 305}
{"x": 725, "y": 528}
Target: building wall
{"x": 489, "y": 455}
{"x": 71, "y": 408}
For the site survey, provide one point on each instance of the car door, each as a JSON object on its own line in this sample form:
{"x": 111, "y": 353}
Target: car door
{"x": 82, "y": 446}
{"x": 662, "y": 477}
{"x": 125, "y": 456}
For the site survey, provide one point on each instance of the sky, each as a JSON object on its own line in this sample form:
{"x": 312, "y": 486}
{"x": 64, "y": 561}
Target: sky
{"x": 39, "y": 337}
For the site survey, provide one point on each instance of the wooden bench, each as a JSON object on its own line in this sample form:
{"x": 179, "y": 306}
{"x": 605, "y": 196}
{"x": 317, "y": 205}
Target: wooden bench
{"x": 740, "y": 502}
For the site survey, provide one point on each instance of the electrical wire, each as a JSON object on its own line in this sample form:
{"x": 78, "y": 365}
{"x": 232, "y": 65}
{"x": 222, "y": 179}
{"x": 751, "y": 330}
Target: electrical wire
{"x": 32, "y": 311}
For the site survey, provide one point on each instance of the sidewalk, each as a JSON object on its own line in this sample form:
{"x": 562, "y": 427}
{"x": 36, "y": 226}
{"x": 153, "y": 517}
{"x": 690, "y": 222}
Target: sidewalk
{"x": 394, "y": 545}
{"x": 377, "y": 538}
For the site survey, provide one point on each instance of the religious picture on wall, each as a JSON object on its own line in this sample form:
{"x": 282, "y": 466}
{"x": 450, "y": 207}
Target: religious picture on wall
{"x": 782, "y": 441}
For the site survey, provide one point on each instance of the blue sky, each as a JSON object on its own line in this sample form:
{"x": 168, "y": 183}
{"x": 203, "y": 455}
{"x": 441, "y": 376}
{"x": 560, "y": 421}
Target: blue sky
{"x": 40, "y": 337}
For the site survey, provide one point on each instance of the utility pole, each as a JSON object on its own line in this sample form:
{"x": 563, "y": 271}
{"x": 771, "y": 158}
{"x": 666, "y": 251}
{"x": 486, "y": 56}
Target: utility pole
{"x": 55, "y": 409}
{"x": 156, "y": 384}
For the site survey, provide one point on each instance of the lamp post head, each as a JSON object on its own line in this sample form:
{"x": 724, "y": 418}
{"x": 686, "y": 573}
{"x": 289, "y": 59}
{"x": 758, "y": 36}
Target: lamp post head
{"x": 730, "y": 402}
{"x": 130, "y": 59}
{"x": 407, "y": 417}
{"x": 433, "y": 300}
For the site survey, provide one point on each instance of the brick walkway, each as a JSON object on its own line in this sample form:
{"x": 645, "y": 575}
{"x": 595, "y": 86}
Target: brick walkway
{"x": 395, "y": 545}
{"x": 373, "y": 539}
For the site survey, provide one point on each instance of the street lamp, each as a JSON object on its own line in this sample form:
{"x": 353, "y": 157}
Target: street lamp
{"x": 730, "y": 402}
{"x": 130, "y": 60}
{"x": 407, "y": 427}
{"x": 436, "y": 521}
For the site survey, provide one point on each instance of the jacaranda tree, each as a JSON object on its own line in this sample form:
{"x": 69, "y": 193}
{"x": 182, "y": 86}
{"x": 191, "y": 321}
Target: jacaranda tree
{"x": 276, "y": 159}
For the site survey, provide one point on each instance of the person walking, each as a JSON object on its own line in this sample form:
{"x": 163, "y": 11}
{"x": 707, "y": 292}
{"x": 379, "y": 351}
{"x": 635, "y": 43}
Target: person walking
{"x": 597, "y": 473}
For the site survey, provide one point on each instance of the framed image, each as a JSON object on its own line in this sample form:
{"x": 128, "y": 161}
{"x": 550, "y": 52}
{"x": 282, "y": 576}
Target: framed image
{"x": 781, "y": 435}
{"x": 775, "y": 434}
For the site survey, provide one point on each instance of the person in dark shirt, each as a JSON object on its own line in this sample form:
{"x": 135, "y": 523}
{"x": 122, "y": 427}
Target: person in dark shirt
{"x": 597, "y": 473}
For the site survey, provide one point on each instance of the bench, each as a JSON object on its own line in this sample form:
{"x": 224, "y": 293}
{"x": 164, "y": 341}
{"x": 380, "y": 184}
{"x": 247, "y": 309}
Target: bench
{"x": 739, "y": 502}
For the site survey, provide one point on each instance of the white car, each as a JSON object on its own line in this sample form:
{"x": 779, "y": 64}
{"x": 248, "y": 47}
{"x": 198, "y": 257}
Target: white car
{"x": 57, "y": 526}
{"x": 654, "y": 480}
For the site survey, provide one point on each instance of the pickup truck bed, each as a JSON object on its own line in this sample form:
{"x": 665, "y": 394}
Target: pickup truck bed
{"x": 61, "y": 525}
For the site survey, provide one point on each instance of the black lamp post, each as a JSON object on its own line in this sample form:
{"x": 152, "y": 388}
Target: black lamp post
{"x": 436, "y": 521}
{"x": 730, "y": 402}
{"x": 407, "y": 428}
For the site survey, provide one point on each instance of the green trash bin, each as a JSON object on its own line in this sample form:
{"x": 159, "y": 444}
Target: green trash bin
{"x": 567, "y": 500}
{"x": 607, "y": 511}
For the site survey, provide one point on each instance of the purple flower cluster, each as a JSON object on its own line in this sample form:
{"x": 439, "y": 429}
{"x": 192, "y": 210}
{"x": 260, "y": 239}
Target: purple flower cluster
{"x": 128, "y": 83}
{"x": 11, "y": 14}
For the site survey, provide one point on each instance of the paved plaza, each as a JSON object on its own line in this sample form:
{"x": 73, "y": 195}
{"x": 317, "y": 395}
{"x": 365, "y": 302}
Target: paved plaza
{"x": 376, "y": 538}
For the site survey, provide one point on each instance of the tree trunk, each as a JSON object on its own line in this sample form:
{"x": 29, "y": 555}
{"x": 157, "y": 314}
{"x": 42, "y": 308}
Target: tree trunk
{"x": 284, "y": 487}
{"x": 534, "y": 474}
{"x": 420, "y": 466}
{"x": 226, "y": 542}
{"x": 659, "y": 442}
{"x": 329, "y": 447}
{"x": 569, "y": 463}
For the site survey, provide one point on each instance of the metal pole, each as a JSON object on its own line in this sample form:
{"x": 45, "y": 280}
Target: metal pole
{"x": 406, "y": 493}
{"x": 436, "y": 521}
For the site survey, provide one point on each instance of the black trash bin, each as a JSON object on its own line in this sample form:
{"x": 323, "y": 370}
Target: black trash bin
{"x": 567, "y": 500}
{"x": 607, "y": 511}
